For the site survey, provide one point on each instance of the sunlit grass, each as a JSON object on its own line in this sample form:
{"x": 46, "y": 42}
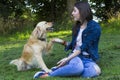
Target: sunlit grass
{"x": 25, "y": 36}
{"x": 8, "y": 45}
{"x": 60, "y": 34}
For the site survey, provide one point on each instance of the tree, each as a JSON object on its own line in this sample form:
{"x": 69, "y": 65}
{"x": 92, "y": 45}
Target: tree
{"x": 49, "y": 10}
{"x": 52, "y": 10}
{"x": 105, "y": 8}
{"x": 70, "y": 4}
{"x": 11, "y": 8}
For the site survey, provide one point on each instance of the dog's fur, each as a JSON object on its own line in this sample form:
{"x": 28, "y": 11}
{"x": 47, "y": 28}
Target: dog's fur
{"x": 37, "y": 45}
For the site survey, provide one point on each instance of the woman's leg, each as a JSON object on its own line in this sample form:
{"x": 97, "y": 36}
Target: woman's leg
{"x": 91, "y": 69}
{"x": 73, "y": 68}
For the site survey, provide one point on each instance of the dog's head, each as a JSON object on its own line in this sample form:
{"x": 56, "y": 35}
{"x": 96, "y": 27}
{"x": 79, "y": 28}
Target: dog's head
{"x": 42, "y": 28}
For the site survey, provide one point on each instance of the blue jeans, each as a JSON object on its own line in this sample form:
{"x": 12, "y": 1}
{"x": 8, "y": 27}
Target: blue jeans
{"x": 76, "y": 67}
{"x": 91, "y": 69}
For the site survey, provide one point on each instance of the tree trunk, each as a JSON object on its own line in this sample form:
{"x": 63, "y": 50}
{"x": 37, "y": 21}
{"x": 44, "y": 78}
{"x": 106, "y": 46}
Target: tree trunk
{"x": 84, "y": 0}
{"x": 53, "y": 10}
{"x": 70, "y": 4}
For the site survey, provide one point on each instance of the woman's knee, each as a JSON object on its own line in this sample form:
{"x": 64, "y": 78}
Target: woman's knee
{"x": 91, "y": 70}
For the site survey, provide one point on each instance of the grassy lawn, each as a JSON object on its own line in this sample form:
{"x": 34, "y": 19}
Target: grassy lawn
{"x": 11, "y": 48}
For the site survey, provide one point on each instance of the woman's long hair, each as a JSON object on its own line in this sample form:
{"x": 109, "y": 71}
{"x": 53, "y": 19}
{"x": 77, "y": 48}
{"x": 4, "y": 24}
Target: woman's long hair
{"x": 85, "y": 14}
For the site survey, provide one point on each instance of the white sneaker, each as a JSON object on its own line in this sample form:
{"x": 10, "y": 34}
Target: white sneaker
{"x": 38, "y": 74}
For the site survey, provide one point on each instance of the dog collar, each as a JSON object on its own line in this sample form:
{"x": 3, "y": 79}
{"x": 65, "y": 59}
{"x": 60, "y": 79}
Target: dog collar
{"x": 42, "y": 39}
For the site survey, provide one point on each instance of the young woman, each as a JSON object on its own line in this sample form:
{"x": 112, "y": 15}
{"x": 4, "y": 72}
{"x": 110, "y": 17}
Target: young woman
{"x": 85, "y": 38}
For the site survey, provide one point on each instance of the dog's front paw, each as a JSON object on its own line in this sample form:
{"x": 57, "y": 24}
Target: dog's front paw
{"x": 58, "y": 40}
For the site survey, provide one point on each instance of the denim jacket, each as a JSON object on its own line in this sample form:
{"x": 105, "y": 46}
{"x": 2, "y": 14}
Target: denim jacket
{"x": 90, "y": 40}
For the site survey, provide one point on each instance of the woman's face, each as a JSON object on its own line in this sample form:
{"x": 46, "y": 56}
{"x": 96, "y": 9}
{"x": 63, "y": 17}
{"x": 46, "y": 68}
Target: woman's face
{"x": 76, "y": 14}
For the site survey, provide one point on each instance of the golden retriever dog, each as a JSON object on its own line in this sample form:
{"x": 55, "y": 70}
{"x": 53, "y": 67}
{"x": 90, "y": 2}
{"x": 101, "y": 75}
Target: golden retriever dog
{"x": 34, "y": 48}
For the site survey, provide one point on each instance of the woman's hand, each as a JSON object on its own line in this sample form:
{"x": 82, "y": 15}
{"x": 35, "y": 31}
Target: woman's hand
{"x": 62, "y": 62}
{"x": 58, "y": 40}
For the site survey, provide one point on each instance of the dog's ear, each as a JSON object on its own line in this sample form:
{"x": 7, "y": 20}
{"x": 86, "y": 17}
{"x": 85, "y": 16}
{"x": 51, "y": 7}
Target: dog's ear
{"x": 36, "y": 32}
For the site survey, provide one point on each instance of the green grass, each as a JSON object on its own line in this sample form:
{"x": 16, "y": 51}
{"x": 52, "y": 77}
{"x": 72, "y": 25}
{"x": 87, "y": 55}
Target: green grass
{"x": 109, "y": 48}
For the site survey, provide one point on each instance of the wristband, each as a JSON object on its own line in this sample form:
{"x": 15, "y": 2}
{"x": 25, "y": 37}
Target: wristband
{"x": 64, "y": 43}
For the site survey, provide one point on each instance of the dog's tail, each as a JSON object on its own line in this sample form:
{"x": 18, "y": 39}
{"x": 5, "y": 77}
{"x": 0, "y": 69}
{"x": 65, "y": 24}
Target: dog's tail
{"x": 14, "y": 62}
{"x": 21, "y": 65}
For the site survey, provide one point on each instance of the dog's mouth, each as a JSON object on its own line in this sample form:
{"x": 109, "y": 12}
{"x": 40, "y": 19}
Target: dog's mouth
{"x": 50, "y": 29}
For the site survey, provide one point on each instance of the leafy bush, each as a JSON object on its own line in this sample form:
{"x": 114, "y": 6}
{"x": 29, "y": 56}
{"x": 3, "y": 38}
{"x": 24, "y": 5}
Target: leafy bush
{"x": 11, "y": 26}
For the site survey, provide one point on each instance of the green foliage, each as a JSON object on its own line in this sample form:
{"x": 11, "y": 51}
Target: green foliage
{"x": 12, "y": 26}
{"x": 9, "y": 7}
{"x": 16, "y": 15}
{"x": 49, "y": 10}
{"x": 105, "y": 8}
